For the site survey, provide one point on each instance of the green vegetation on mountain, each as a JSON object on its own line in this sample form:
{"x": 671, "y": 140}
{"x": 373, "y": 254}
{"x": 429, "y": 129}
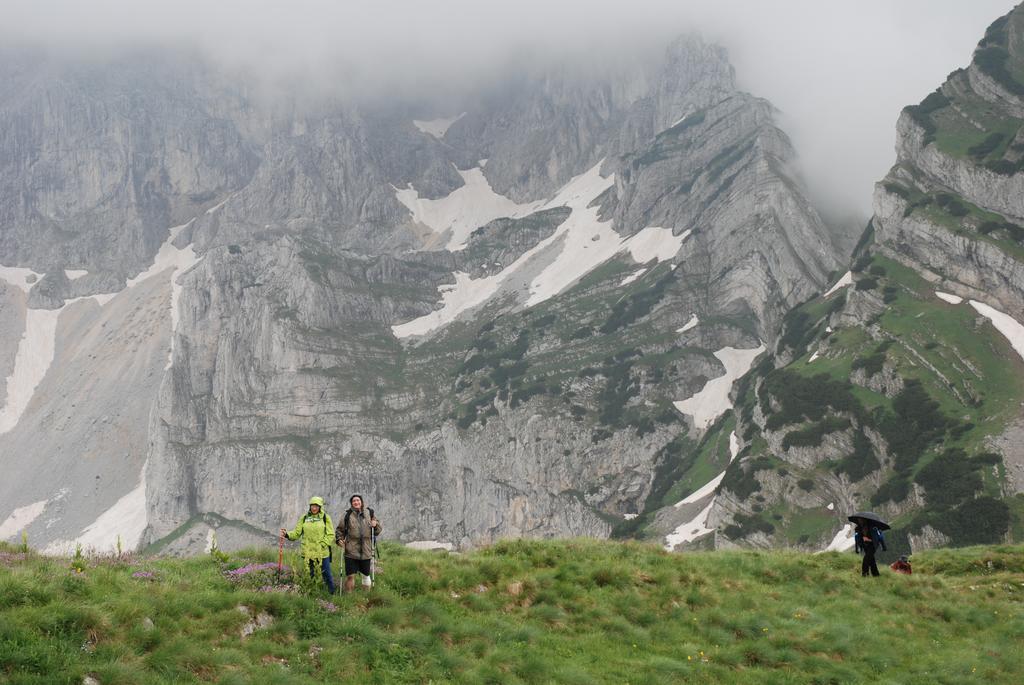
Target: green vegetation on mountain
{"x": 937, "y": 383}
{"x": 517, "y": 612}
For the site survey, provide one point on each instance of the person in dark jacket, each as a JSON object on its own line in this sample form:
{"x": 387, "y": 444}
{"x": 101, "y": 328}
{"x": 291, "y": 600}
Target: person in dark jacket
{"x": 867, "y": 538}
{"x": 355, "y": 535}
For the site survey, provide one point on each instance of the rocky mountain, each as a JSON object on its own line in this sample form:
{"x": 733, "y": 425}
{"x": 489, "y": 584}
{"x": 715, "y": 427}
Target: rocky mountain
{"x": 901, "y": 388}
{"x": 514, "y": 317}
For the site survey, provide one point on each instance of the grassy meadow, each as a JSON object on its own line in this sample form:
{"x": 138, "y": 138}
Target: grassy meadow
{"x": 578, "y": 611}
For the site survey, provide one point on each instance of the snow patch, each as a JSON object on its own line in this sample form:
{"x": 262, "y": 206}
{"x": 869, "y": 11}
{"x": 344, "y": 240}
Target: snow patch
{"x": 178, "y": 259}
{"x": 655, "y": 243}
{"x": 583, "y": 242}
{"x": 167, "y": 257}
{"x": 692, "y": 323}
{"x": 813, "y": 357}
{"x": 217, "y": 206}
{"x": 708, "y": 489}
{"x": 437, "y": 127}
{"x": 846, "y": 280}
{"x": 842, "y": 541}
{"x": 21, "y": 518}
{"x": 456, "y": 298}
{"x": 946, "y": 297}
{"x": 831, "y": 506}
{"x": 464, "y": 209}
{"x": 74, "y": 274}
{"x": 19, "y": 277}
{"x": 430, "y": 545}
{"x": 127, "y": 519}
{"x": 712, "y": 485}
{"x": 588, "y": 242}
{"x": 633, "y": 276}
{"x": 713, "y": 400}
{"x": 31, "y": 362}
{"x": 1004, "y": 323}
{"x": 691, "y": 530}
{"x": 630, "y": 517}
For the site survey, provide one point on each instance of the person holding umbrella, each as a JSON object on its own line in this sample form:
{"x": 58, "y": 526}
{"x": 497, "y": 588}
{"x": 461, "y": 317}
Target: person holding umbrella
{"x": 867, "y": 538}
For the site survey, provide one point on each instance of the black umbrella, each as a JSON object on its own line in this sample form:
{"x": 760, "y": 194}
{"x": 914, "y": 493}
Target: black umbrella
{"x": 870, "y": 516}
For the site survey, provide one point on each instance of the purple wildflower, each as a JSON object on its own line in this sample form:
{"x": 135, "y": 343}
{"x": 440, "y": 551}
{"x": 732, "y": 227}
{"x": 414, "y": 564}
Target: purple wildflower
{"x": 329, "y": 607}
{"x": 252, "y": 568}
{"x": 144, "y": 574}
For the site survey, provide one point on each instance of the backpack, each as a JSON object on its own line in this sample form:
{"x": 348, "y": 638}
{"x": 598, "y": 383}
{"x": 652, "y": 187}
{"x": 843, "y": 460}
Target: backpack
{"x": 344, "y": 525}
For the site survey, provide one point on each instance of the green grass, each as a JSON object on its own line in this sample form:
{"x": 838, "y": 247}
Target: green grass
{"x": 527, "y": 612}
{"x": 711, "y": 460}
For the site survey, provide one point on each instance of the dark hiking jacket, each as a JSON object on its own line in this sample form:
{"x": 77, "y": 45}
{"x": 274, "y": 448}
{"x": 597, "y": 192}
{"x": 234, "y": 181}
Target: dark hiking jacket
{"x": 358, "y": 544}
{"x": 872, "y": 535}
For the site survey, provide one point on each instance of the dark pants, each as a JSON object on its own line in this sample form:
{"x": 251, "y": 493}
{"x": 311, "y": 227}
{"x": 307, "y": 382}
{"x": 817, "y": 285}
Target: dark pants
{"x": 869, "y": 560}
{"x": 325, "y": 568}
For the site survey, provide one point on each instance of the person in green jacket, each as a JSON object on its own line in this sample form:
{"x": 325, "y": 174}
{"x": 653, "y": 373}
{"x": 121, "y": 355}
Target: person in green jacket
{"x": 315, "y": 528}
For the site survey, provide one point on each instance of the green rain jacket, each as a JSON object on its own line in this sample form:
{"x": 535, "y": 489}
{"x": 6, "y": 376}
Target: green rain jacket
{"x": 316, "y": 531}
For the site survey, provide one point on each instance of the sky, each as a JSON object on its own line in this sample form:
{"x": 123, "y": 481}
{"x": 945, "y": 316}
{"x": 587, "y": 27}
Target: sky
{"x": 839, "y": 71}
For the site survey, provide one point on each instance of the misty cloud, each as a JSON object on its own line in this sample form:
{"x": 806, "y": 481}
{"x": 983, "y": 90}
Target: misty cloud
{"x": 838, "y": 72}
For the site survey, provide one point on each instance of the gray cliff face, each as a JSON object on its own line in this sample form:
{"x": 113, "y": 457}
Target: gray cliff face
{"x": 104, "y": 155}
{"x": 970, "y": 246}
{"x": 292, "y": 260}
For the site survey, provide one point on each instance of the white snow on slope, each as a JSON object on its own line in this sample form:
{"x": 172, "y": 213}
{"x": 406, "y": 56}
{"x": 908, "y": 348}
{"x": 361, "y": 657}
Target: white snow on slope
{"x": 583, "y": 243}
{"x": 712, "y": 485}
{"x": 20, "y": 519}
{"x": 946, "y": 297}
{"x": 39, "y": 340}
{"x": 633, "y": 276}
{"x": 589, "y": 243}
{"x": 1004, "y": 323}
{"x": 464, "y": 209}
{"x": 698, "y": 525}
{"x": 31, "y": 362}
{"x": 127, "y": 518}
{"x": 846, "y": 280}
{"x": 18, "y": 277}
{"x": 655, "y": 243}
{"x": 456, "y": 298}
{"x": 842, "y": 541}
{"x": 713, "y": 399}
{"x": 692, "y": 323}
{"x": 813, "y": 357}
{"x": 437, "y": 127}
{"x": 171, "y": 257}
{"x": 75, "y": 274}
{"x": 167, "y": 256}
{"x": 691, "y": 530}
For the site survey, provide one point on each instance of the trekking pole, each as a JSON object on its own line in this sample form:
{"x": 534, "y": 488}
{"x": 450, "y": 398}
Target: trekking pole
{"x": 280, "y": 553}
{"x": 373, "y": 559}
{"x": 373, "y": 553}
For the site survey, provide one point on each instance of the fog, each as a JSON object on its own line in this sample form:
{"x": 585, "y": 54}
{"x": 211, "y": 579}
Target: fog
{"x": 839, "y": 72}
